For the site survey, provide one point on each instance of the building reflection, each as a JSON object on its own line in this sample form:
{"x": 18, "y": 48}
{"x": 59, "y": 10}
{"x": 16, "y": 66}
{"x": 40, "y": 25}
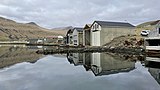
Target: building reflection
{"x": 153, "y": 65}
{"x": 101, "y": 63}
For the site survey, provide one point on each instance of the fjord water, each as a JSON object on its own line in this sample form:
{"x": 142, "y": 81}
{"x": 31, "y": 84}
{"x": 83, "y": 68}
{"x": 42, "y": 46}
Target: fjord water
{"x": 23, "y": 69}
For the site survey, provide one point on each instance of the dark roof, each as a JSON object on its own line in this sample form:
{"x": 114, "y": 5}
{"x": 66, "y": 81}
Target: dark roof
{"x": 108, "y": 72}
{"x": 79, "y": 29}
{"x": 87, "y": 26}
{"x": 121, "y": 24}
{"x": 70, "y": 31}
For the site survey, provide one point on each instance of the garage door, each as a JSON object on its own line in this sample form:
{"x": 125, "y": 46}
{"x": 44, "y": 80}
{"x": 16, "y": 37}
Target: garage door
{"x": 95, "y": 38}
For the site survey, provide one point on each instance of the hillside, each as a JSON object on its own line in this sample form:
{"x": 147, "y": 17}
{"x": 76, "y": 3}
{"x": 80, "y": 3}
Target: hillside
{"x": 62, "y": 30}
{"x": 146, "y": 26}
{"x": 11, "y": 30}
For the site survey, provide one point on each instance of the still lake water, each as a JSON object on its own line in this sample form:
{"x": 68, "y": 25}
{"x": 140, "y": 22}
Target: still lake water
{"x": 23, "y": 69}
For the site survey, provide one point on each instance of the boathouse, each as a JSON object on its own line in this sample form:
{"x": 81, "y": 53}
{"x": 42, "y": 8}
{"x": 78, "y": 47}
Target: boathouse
{"x": 69, "y": 37}
{"x": 100, "y": 63}
{"x": 77, "y": 36}
{"x": 103, "y": 32}
{"x": 86, "y": 35}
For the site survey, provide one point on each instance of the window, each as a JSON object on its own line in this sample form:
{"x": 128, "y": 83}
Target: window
{"x": 75, "y": 41}
{"x": 93, "y": 26}
{"x": 159, "y": 30}
{"x": 97, "y": 26}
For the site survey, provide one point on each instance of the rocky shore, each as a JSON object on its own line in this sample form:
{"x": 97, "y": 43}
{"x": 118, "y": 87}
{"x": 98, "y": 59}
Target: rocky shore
{"x": 123, "y": 44}
{"x": 135, "y": 50}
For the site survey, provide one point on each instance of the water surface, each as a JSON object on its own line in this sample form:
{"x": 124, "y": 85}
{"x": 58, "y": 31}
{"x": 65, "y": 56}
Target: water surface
{"x": 74, "y": 71}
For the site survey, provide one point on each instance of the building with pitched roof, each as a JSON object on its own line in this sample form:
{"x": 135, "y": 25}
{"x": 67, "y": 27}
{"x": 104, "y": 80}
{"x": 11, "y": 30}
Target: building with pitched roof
{"x": 86, "y": 35}
{"x": 77, "y": 36}
{"x": 103, "y": 32}
{"x": 69, "y": 37}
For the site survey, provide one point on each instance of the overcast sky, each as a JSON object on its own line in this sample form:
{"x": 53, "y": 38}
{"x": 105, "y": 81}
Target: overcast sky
{"x": 61, "y": 13}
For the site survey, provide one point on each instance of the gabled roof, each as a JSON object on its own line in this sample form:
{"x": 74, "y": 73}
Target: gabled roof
{"x": 87, "y": 26}
{"x": 70, "y": 31}
{"x": 114, "y": 71}
{"x": 78, "y": 29}
{"x": 120, "y": 24}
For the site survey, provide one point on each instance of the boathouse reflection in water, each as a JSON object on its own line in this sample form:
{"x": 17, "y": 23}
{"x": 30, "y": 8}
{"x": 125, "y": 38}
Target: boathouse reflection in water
{"x": 106, "y": 64}
{"x": 101, "y": 63}
{"x": 153, "y": 65}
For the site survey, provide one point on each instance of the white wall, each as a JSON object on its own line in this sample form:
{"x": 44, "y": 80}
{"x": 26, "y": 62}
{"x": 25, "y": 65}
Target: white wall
{"x": 96, "y": 61}
{"x": 83, "y": 37}
{"x": 75, "y": 37}
{"x": 95, "y": 34}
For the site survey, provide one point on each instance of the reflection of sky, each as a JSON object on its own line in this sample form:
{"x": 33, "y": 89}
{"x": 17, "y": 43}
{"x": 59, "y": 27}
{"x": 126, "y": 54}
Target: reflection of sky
{"x": 53, "y": 73}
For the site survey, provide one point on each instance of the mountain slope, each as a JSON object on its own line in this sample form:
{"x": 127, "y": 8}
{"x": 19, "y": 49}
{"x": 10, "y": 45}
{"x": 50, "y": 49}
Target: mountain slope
{"x": 11, "y": 30}
{"x": 146, "y": 26}
{"x": 62, "y": 30}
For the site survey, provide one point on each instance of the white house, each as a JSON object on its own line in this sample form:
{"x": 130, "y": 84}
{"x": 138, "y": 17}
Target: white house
{"x": 77, "y": 36}
{"x": 69, "y": 37}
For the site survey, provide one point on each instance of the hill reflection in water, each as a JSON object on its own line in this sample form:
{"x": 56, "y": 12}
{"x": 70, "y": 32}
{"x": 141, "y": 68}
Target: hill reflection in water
{"x": 10, "y": 55}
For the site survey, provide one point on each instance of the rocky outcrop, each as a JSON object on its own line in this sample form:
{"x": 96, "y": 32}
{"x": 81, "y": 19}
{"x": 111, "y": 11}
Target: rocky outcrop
{"x": 126, "y": 42}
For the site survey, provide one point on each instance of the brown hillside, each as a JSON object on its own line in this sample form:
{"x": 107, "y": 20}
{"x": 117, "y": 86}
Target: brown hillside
{"x": 62, "y": 30}
{"x": 146, "y": 26}
{"x": 11, "y": 30}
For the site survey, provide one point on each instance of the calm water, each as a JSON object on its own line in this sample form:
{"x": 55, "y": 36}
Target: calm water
{"x": 23, "y": 69}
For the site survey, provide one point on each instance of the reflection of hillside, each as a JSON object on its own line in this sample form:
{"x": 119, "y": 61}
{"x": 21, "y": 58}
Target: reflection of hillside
{"x": 101, "y": 63}
{"x": 12, "y": 55}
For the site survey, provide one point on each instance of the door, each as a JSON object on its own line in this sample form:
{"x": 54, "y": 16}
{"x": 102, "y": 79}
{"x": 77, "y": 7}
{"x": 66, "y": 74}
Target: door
{"x": 95, "y": 38}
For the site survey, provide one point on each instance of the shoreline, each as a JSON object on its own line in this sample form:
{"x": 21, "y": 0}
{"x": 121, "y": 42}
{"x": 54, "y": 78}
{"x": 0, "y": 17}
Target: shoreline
{"x": 62, "y": 50}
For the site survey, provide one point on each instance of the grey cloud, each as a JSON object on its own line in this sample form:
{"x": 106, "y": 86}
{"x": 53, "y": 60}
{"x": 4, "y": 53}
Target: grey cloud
{"x": 59, "y": 13}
